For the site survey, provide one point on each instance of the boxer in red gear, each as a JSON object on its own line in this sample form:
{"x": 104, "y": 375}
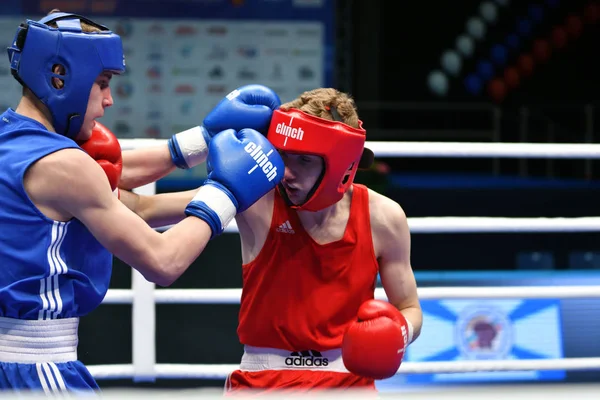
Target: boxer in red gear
{"x": 312, "y": 249}
{"x": 311, "y": 252}
{"x": 103, "y": 146}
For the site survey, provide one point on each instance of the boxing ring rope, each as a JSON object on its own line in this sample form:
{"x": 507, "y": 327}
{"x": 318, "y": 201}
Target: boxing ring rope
{"x": 143, "y": 296}
{"x": 220, "y": 371}
{"x": 494, "y": 225}
{"x": 232, "y": 296}
{"x": 451, "y": 149}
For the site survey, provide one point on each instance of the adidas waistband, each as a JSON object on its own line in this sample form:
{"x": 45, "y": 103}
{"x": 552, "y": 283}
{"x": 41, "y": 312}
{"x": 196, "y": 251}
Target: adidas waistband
{"x": 261, "y": 358}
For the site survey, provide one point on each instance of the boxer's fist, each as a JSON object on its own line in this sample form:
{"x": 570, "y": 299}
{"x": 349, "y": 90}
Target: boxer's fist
{"x": 103, "y": 146}
{"x": 374, "y": 345}
{"x": 244, "y": 166}
{"x": 249, "y": 106}
{"x": 246, "y": 163}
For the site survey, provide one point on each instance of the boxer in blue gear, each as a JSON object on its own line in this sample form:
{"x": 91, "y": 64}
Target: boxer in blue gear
{"x": 60, "y": 220}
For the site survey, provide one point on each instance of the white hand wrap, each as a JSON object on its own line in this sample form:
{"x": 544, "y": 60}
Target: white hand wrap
{"x": 219, "y": 202}
{"x": 192, "y": 146}
{"x": 411, "y": 331}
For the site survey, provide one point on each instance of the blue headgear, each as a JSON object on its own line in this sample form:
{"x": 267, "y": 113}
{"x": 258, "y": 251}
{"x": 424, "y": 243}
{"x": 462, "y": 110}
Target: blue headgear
{"x": 38, "y": 47}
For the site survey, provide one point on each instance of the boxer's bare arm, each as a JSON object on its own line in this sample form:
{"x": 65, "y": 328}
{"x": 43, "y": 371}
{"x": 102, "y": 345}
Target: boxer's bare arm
{"x": 392, "y": 241}
{"x": 253, "y": 225}
{"x": 71, "y": 184}
{"x": 159, "y": 209}
{"x": 145, "y": 165}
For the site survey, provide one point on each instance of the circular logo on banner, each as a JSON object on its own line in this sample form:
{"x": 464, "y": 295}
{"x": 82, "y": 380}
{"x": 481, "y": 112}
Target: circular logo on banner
{"x": 484, "y": 333}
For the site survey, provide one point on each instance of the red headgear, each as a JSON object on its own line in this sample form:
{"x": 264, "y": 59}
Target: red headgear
{"x": 341, "y": 147}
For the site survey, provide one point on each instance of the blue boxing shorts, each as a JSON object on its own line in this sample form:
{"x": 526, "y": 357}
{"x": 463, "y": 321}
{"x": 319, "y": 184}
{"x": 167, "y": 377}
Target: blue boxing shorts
{"x": 41, "y": 356}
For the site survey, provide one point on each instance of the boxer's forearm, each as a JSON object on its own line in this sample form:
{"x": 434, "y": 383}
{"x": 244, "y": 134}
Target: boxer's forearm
{"x": 161, "y": 209}
{"x": 145, "y": 165}
{"x": 414, "y": 315}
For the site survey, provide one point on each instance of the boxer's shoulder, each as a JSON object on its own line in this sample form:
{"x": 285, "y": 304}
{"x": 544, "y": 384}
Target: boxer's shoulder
{"x": 384, "y": 211}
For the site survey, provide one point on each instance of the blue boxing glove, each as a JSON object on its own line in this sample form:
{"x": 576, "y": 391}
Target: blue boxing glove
{"x": 249, "y": 106}
{"x": 244, "y": 166}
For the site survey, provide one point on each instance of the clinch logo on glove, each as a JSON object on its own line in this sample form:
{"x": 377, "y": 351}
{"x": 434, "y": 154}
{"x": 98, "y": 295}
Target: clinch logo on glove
{"x": 262, "y": 160}
{"x": 307, "y": 358}
{"x": 289, "y": 131}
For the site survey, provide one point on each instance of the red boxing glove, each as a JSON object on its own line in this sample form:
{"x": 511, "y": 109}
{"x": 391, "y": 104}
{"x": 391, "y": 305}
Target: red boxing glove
{"x": 374, "y": 345}
{"x": 103, "y": 146}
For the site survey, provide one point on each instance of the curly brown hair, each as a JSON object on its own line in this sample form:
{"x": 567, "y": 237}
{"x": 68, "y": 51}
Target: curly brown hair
{"x": 85, "y": 27}
{"x": 318, "y": 102}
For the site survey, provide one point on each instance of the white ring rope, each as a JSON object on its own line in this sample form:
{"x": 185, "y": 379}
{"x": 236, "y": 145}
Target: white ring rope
{"x": 451, "y": 149}
{"x": 490, "y": 225}
{"x": 232, "y": 296}
{"x": 473, "y": 149}
{"x": 220, "y": 371}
